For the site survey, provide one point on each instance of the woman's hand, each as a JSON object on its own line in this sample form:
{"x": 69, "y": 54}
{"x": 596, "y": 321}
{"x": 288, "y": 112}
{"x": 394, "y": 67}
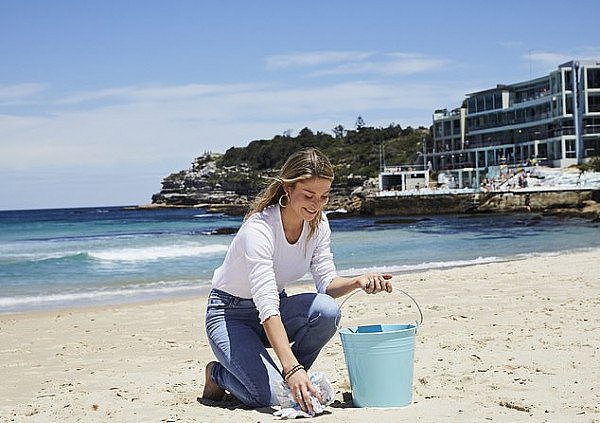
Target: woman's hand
{"x": 302, "y": 389}
{"x": 372, "y": 283}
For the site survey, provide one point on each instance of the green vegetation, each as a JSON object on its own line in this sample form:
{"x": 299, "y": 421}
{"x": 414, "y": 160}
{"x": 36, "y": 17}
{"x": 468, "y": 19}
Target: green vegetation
{"x": 353, "y": 152}
{"x": 243, "y": 171}
{"x": 593, "y": 165}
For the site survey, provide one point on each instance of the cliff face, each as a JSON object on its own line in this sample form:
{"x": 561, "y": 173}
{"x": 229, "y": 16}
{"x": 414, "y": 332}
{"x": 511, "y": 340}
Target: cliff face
{"x": 206, "y": 184}
{"x": 232, "y": 189}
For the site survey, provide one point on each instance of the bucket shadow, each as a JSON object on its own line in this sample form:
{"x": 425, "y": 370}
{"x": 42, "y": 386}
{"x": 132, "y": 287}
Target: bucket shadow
{"x": 345, "y": 403}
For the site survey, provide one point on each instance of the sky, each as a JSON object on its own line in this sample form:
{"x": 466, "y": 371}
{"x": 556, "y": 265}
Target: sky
{"x": 101, "y": 99}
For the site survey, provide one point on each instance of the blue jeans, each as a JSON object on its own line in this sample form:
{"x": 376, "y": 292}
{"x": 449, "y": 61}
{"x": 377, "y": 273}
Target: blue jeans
{"x": 239, "y": 342}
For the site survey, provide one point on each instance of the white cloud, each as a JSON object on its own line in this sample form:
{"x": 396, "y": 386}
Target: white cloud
{"x": 547, "y": 60}
{"x": 165, "y": 124}
{"x": 162, "y": 93}
{"x": 393, "y": 64}
{"x": 316, "y": 58}
{"x": 337, "y": 63}
{"x": 13, "y": 94}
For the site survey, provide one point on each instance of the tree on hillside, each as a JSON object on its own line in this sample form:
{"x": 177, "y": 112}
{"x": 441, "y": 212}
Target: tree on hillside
{"x": 339, "y": 131}
{"x": 360, "y": 123}
{"x": 351, "y": 152}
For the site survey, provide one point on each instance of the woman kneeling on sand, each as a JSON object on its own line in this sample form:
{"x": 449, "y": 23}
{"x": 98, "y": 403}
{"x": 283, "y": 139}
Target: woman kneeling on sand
{"x": 285, "y": 235}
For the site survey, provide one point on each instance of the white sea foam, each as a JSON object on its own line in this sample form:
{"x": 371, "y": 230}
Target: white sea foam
{"x": 407, "y": 268}
{"x": 158, "y": 252}
{"x": 40, "y": 256}
{"x": 149, "y": 253}
{"x": 209, "y": 215}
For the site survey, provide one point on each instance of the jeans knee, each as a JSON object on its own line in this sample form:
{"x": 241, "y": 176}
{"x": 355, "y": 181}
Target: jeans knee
{"x": 326, "y": 309}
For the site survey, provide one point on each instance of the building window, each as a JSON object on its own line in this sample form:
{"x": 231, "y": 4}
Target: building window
{"x": 592, "y": 147}
{"x": 593, "y": 77}
{"x": 593, "y": 102}
{"x": 568, "y": 81}
{"x": 489, "y": 102}
{"x": 447, "y": 128}
{"x": 498, "y": 101}
{"x": 471, "y": 105}
{"x": 591, "y": 125}
{"x": 570, "y": 152}
{"x": 542, "y": 151}
{"x": 480, "y": 104}
{"x": 456, "y": 128}
{"x": 569, "y": 104}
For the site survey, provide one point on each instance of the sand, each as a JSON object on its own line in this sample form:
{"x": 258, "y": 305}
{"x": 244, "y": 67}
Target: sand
{"x": 512, "y": 341}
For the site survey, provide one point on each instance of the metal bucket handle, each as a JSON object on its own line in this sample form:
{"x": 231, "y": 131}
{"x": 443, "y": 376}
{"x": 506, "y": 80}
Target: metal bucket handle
{"x": 419, "y": 322}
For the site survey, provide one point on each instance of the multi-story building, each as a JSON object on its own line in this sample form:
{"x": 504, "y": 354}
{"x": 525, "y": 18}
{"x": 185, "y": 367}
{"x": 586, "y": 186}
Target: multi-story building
{"x": 554, "y": 119}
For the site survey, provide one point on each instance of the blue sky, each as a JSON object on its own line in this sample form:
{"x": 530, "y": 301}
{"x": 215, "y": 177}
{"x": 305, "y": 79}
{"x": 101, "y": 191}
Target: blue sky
{"x": 99, "y": 100}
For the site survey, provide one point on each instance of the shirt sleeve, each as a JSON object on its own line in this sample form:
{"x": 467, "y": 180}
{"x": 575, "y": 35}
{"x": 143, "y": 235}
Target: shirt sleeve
{"x": 258, "y": 253}
{"x": 322, "y": 266}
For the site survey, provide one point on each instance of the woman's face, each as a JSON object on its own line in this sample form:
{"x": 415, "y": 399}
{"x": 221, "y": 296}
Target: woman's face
{"x": 308, "y": 197}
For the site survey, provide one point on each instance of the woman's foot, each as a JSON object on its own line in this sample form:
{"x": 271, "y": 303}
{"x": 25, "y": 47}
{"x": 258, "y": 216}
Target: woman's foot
{"x": 211, "y": 391}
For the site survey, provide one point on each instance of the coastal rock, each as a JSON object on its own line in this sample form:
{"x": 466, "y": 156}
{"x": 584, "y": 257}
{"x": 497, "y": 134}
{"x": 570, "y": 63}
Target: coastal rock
{"x": 540, "y": 201}
{"x": 207, "y": 184}
{"x": 590, "y": 210}
{"x": 418, "y": 205}
{"x": 223, "y": 231}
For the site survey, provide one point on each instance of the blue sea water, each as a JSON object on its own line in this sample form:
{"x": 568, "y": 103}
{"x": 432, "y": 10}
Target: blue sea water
{"x": 108, "y": 255}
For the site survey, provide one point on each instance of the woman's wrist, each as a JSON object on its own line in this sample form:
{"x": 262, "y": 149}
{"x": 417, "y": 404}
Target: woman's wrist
{"x": 292, "y": 371}
{"x": 288, "y": 367}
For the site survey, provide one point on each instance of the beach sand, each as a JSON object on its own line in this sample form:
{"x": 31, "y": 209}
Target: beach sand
{"x": 512, "y": 341}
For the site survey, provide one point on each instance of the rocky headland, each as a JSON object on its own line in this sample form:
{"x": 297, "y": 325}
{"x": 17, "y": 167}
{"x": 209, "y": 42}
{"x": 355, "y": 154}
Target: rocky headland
{"x": 231, "y": 190}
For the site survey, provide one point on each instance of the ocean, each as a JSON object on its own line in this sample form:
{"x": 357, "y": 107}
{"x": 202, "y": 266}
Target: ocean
{"x": 109, "y": 255}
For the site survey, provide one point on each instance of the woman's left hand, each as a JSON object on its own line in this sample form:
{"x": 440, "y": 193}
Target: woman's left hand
{"x": 372, "y": 283}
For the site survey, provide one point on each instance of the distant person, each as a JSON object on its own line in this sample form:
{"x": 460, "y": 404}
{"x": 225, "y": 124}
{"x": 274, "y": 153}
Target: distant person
{"x": 285, "y": 235}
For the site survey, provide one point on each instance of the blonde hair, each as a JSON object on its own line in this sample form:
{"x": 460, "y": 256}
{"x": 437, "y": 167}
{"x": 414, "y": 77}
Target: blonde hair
{"x": 304, "y": 164}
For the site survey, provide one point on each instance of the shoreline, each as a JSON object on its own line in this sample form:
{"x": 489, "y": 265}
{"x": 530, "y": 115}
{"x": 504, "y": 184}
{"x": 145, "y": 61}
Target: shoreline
{"x": 510, "y": 341}
{"x": 200, "y": 290}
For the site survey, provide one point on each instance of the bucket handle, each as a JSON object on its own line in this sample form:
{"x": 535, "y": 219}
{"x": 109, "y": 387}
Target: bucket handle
{"x": 419, "y": 322}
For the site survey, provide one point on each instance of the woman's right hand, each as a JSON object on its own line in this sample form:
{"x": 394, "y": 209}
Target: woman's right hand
{"x": 373, "y": 283}
{"x": 302, "y": 389}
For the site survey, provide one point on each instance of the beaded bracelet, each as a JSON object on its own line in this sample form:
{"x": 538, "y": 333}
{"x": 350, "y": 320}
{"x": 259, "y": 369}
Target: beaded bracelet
{"x": 293, "y": 370}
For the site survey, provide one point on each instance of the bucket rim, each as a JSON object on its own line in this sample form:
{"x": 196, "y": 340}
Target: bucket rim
{"x": 418, "y": 323}
{"x": 350, "y": 331}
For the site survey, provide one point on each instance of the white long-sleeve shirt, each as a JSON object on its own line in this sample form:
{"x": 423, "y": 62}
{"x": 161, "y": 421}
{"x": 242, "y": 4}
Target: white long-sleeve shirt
{"x": 260, "y": 261}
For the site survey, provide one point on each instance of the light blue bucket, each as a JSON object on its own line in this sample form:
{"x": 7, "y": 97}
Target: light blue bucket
{"x": 380, "y": 361}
